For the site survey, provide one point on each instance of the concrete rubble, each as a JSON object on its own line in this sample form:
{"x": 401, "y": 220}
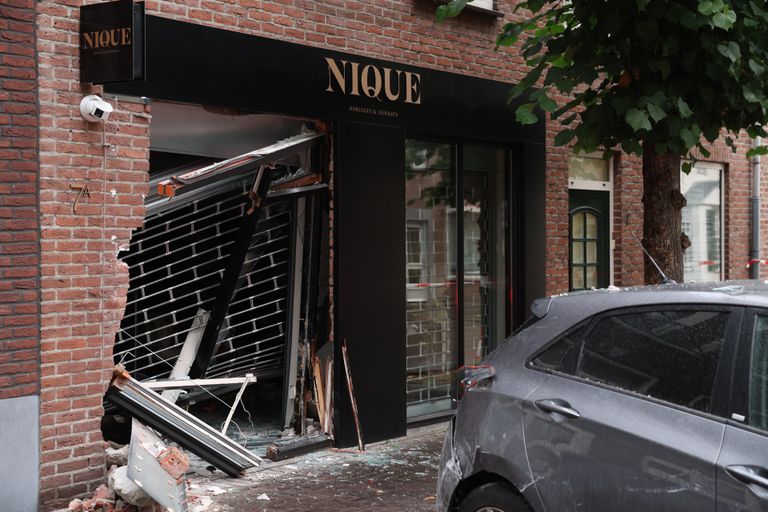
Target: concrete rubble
{"x": 127, "y": 489}
{"x": 117, "y": 456}
{"x": 124, "y": 492}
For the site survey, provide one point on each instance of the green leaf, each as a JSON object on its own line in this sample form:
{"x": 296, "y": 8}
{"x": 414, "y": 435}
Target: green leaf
{"x": 662, "y": 66}
{"x": 621, "y": 104}
{"x": 632, "y": 146}
{"x": 564, "y": 85}
{"x": 564, "y": 137}
{"x": 451, "y": 9}
{"x": 657, "y": 113}
{"x": 750, "y": 95}
{"x": 758, "y": 151}
{"x": 660, "y": 148}
{"x": 556, "y": 28}
{"x": 516, "y": 92}
{"x": 689, "y": 20}
{"x": 690, "y": 135}
{"x": 637, "y": 119}
{"x": 547, "y": 104}
{"x": 525, "y": 115}
{"x": 683, "y": 108}
{"x": 729, "y": 50}
{"x": 756, "y": 67}
{"x": 670, "y": 46}
{"x": 686, "y": 167}
{"x": 706, "y": 7}
{"x": 559, "y": 61}
{"x": 724, "y": 20}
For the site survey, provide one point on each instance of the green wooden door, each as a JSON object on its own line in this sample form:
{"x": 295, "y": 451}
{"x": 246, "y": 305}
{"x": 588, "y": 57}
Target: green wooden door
{"x": 589, "y": 236}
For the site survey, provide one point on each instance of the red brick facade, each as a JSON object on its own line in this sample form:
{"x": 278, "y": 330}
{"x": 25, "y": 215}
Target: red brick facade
{"x": 83, "y": 285}
{"x": 92, "y": 180}
{"x": 628, "y": 213}
{"x": 19, "y": 320}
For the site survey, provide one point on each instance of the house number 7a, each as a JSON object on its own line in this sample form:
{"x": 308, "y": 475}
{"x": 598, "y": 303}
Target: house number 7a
{"x": 82, "y": 192}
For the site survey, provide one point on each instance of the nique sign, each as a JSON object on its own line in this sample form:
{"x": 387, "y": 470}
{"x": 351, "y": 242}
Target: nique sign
{"x": 112, "y": 42}
{"x": 375, "y": 82}
{"x": 107, "y": 38}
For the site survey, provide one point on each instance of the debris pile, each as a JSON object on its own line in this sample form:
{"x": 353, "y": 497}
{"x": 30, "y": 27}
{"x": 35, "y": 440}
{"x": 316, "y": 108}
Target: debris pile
{"x": 123, "y": 494}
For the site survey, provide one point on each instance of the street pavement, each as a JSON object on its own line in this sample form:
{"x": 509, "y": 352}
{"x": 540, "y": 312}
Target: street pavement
{"x": 395, "y": 475}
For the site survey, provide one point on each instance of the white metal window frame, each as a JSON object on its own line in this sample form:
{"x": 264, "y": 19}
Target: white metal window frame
{"x": 574, "y": 184}
{"x": 721, "y": 168}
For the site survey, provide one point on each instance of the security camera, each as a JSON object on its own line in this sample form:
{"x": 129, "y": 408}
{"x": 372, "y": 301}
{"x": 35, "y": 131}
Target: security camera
{"x": 95, "y": 109}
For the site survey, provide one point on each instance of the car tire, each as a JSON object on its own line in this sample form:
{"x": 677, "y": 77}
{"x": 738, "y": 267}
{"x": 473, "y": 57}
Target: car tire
{"x": 493, "y": 497}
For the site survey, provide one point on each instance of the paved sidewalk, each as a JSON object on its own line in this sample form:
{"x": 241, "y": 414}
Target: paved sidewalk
{"x": 396, "y": 475}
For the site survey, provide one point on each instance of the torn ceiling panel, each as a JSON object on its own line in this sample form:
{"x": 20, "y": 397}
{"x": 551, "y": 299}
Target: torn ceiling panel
{"x": 184, "y": 187}
{"x": 215, "y": 131}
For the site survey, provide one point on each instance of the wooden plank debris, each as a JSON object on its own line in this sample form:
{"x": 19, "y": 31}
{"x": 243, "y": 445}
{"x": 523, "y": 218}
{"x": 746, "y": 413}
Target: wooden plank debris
{"x": 350, "y": 388}
{"x": 328, "y": 419}
{"x": 319, "y": 396}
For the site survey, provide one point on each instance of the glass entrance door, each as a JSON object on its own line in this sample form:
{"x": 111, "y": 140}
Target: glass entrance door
{"x": 456, "y": 265}
{"x": 431, "y": 317}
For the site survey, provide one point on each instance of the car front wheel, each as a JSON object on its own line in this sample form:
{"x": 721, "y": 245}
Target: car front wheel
{"x": 492, "y": 497}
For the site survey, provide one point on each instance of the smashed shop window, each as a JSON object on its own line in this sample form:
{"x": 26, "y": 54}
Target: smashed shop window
{"x": 223, "y": 283}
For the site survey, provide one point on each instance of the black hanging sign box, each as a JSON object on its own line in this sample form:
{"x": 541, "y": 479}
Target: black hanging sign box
{"x": 112, "y": 42}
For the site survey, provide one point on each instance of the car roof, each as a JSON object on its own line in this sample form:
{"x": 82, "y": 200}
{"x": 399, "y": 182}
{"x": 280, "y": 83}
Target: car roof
{"x": 571, "y": 308}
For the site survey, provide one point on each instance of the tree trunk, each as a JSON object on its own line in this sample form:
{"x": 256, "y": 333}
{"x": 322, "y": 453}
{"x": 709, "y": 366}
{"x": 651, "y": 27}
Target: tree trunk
{"x": 662, "y": 202}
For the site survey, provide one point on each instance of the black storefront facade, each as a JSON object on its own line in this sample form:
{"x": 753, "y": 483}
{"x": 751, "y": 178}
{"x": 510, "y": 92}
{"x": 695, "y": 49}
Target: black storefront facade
{"x": 415, "y": 285}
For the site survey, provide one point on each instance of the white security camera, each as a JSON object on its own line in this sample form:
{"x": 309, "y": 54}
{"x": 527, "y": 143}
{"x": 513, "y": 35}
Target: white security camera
{"x": 95, "y": 109}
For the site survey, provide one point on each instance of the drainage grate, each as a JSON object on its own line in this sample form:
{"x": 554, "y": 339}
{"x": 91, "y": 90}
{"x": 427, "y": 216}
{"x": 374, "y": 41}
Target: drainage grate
{"x": 176, "y": 263}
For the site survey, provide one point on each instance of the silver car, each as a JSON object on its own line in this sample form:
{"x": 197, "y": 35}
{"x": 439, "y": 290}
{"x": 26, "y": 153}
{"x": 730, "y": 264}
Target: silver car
{"x": 642, "y": 399}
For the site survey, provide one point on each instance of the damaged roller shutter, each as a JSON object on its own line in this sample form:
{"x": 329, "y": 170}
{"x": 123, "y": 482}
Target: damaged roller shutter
{"x": 215, "y": 262}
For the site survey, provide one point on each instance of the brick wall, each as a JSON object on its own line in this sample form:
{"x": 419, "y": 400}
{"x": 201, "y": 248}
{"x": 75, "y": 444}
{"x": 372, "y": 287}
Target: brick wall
{"x": 19, "y": 321}
{"x": 83, "y": 284}
{"x": 628, "y": 213}
{"x": 399, "y": 30}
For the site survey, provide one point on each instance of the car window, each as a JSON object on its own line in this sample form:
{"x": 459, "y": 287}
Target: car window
{"x": 563, "y": 355}
{"x": 758, "y": 392}
{"x": 671, "y": 355}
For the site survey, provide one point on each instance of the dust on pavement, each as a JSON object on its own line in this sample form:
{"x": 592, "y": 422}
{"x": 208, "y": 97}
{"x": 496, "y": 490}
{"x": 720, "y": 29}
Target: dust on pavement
{"x": 396, "y": 475}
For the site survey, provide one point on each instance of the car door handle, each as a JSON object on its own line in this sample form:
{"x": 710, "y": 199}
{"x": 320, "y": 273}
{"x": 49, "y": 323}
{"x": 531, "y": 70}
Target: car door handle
{"x": 559, "y": 406}
{"x": 750, "y": 475}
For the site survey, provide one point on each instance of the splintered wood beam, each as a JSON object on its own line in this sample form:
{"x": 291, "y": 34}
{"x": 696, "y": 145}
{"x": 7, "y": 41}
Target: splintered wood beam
{"x": 351, "y": 390}
{"x": 328, "y": 419}
{"x": 319, "y": 395}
